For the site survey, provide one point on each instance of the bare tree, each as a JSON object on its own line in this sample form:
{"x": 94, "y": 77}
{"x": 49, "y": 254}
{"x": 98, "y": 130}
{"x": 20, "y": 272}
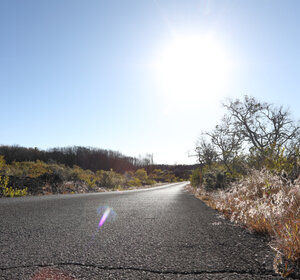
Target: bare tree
{"x": 261, "y": 124}
{"x": 227, "y": 141}
{"x": 206, "y": 152}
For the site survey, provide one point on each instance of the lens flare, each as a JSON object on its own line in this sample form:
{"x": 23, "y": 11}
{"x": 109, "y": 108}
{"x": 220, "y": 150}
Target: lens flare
{"x": 104, "y": 217}
{"x": 106, "y": 213}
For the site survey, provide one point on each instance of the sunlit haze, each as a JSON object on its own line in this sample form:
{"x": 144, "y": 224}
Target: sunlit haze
{"x": 140, "y": 77}
{"x": 192, "y": 67}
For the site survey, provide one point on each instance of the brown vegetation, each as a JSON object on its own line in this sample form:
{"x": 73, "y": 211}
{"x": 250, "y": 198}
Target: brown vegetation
{"x": 250, "y": 171}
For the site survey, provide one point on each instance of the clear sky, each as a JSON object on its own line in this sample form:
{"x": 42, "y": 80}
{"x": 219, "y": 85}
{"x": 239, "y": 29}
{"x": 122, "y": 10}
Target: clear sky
{"x": 140, "y": 76}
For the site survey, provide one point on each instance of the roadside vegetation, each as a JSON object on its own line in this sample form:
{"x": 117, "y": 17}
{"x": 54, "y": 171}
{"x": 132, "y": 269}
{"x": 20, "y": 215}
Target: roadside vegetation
{"x": 250, "y": 171}
{"x": 38, "y": 177}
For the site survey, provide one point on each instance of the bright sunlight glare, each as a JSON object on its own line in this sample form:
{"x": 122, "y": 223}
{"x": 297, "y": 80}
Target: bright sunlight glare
{"x": 192, "y": 68}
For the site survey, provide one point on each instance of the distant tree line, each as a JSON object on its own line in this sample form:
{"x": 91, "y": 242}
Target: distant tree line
{"x": 93, "y": 159}
{"x": 182, "y": 171}
{"x": 86, "y": 157}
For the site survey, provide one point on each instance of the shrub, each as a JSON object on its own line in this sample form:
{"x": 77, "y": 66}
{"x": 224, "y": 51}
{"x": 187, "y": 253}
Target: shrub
{"x": 136, "y": 182}
{"x": 63, "y": 172}
{"x": 214, "y": 177}
{"x": 274, "y": 160}
{"x": 196, "y": 178}
{"x": 157, "y": 175}
{"x": 3, "y": 184}
{"x": 4, "y": 180}
{"x": 86, "y": 176}
{"x": 110, "y": 179}
{"x": 13, "y": 192}
{"x": 170, "y": 177}
{"x": 141, "y": 174}
{"x": 28, "y": 169}
{"x": 2, "y": 164}
{"x": 150, "y": 182}
{"x": 217, "y": 176}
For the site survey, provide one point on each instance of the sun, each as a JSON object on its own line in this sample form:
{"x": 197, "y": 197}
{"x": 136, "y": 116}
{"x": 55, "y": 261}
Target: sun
{"x": 192, "y": 68}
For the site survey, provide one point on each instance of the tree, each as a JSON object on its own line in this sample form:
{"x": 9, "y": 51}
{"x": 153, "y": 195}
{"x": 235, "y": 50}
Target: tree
{"x": 227, "y": 142}
{"x": 206, "y": 152}
{"x": 261, "y": 125}
{"x": 268, "y": 132}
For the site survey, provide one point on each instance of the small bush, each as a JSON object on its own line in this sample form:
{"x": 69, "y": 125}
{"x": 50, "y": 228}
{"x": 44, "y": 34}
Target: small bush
{"x": 196, "y": 178}
{"x": 273, "y": 160}
{"x": 157, "y": 175}
{"x": 170, "y": 177}
{"x": 136, "y": 182}
{"x": 3, "y": 184}
{"x": 214, "y": 179}
{"x": 150, "y": 182}
{"x": 141, "y": 174}
{"x": 110, "y": 179}
{"x": 9, "y": 191}
{"x": 14, "y": 192}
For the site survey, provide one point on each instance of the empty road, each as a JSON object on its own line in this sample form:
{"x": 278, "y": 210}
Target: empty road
{"x": 158, "y": 233}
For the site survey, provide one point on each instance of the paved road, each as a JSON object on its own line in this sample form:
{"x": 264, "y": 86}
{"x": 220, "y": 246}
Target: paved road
{"x": 159, "y": 233}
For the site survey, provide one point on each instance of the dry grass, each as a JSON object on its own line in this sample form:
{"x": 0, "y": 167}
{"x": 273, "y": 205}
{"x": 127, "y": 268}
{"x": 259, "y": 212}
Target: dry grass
{"x": 265, "y": 203}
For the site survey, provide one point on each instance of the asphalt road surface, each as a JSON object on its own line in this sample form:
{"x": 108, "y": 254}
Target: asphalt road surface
{"x": 158, "y": 233}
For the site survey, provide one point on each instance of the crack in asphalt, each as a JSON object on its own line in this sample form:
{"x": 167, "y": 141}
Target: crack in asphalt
{"x": 199, "y": 272}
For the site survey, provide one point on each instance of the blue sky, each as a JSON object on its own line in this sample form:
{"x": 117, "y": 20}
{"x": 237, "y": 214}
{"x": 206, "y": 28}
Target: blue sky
{"x": 97, "y": 73}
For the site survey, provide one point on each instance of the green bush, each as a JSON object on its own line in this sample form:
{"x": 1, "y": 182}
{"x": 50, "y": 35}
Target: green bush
{"x": 196, "y": 178}
{"x": 277, "y": 163}
{"x": 170, "y": 177}
{"x": 4, "y": 180}
{"x": 271, "y": 159}
{"x": 86, "y": 176}
{"x": 13, "y": 192}
{"x": 135, "y": 182}
{"x": 150, "y": 182}
{"x": 141, "y": 174}
{"x": 217, "y": 175}
{"x": 214, "y": 179}
{"x": 157, "y": 175}
{"x": 110, "y": 179}
{"x": 62, "y": 171}
{"x": 30, "y": 169}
